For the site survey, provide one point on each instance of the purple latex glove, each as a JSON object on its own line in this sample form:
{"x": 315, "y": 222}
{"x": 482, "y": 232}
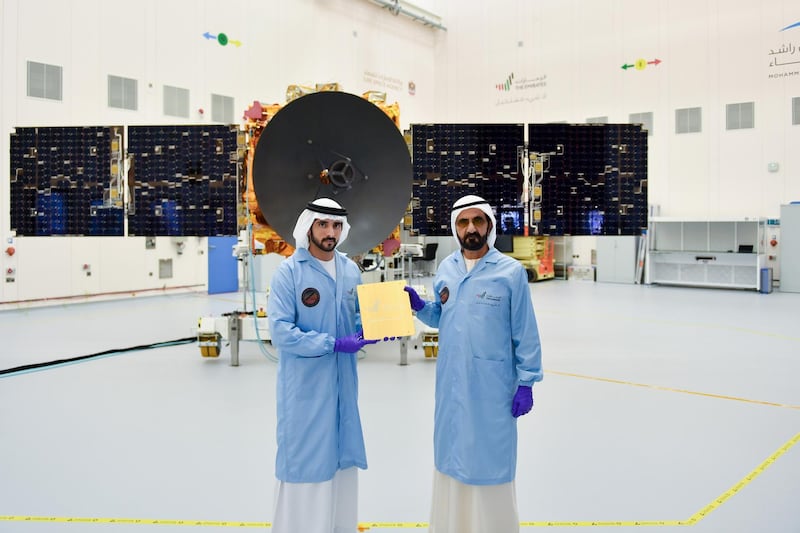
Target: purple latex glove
{"x": 523, "y": 401}
{"x": 351, "y": 343}
{"x": 417, "y": 303}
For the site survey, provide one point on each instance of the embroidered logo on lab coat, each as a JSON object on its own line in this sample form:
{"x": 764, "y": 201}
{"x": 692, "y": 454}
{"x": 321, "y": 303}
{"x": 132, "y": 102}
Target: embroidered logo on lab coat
{"x": 485, "y": 298}
{"x": 444, "y": 294}
{"x": 310, "y": 297}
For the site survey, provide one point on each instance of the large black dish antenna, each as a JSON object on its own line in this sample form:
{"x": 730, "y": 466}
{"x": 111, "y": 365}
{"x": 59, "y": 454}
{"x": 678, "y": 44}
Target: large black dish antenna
{"x": 340, "y": 146}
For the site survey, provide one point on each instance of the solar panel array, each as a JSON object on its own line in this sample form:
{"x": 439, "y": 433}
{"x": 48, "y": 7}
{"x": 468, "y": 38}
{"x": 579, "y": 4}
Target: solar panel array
{"x": 182, "y": 180}
{"x": 451, "y": 160}
{"x": 59, "y": 177}
{"x": 594, "y": 180}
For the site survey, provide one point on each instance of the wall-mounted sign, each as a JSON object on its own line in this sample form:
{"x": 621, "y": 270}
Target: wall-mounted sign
{"x": 515, "y": 89}
{"x": 641, "y": 64}
{"x": 784, "y": 60}
{"x": 222, "y": 39}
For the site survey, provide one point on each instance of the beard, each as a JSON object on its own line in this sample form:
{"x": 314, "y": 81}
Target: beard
{"x": 326, "y": 245}
{"x": 473, "y": 241}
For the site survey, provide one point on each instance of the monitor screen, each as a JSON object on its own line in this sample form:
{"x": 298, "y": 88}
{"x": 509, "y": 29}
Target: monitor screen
{"x": 510, "y": 221}
{"x": 595, "y": 222}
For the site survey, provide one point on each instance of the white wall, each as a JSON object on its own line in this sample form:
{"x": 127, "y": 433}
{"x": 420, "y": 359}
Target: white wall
{"x": 50, "y": 269}
{"x": 713, "y": 52}
{"x": 305, "y": 42}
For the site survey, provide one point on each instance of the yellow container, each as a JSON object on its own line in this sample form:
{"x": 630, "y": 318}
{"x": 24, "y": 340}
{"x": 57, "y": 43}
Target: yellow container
{"x": 209, "y": 344}
{"x": 430, "y": 344}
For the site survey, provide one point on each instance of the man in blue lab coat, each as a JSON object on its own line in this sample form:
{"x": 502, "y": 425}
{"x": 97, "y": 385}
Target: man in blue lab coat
{"x": 315, "y": 324}
{"x": 489, "y": 357}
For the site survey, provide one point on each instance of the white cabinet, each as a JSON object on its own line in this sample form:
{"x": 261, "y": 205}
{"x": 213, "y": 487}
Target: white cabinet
{"x": 706, "y": 253}
{"x": 790, "y": 248}
{"x": 616, "y": 258}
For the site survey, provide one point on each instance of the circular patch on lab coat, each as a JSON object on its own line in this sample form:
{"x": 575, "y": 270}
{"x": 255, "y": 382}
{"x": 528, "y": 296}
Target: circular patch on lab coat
{"x": 310, "y": 297}
{"x": 444, "y": 294}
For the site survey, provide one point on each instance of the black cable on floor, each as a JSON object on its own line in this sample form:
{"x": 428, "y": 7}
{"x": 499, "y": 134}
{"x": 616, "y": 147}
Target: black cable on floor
{"x": 40, "y": 366}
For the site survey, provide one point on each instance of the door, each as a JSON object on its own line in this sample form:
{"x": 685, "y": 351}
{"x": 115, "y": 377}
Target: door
{"x": 223, "y": 269}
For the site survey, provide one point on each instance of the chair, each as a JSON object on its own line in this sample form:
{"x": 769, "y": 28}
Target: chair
{"x": 428, "y": 255}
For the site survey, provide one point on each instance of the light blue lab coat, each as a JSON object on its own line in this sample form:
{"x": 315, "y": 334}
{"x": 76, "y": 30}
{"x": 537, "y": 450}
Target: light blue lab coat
{"x": 488, "y": 345}
{"x": 319, "y": 427}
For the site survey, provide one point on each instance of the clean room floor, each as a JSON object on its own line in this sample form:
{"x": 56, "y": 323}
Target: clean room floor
{"x": 661, "y": 407}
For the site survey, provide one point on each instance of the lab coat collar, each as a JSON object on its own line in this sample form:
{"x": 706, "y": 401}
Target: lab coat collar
{"x": 304, "y": 256}
{"x": 491, "y": 257}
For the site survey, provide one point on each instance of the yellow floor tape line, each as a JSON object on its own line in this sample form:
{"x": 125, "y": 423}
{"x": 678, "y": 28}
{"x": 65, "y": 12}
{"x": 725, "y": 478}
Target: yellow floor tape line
{"x": 670, "y": 389}
{"x": 137, "y": 521}
{"x": 757, "y": 471}
{"x": 606, "y": 523}
{"x": 365, "y": 526}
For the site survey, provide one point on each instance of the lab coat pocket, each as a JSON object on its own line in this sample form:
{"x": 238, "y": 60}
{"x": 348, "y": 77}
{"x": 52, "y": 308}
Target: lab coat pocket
{"x": 490, "y": 404}
{"x": 489, "y": 330}
{"x": 311, "y": 401}
{"x": 491, "y": 379}
{"x": 314, "y": 378}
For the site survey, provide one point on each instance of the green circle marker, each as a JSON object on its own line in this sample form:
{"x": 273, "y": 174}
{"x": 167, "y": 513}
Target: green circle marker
{"x": 222, "y": 39}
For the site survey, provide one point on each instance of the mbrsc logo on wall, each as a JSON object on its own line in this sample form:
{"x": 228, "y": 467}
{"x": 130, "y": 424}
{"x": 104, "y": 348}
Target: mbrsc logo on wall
{"x": 784, "y": 58}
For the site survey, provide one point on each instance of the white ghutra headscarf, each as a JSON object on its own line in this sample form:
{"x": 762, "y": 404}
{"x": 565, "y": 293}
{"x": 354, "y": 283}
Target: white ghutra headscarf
{"x": 470, "y": 200}
{"x": 321, "y": 208}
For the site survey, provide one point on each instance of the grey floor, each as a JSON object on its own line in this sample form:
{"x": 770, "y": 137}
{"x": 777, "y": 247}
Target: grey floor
{"x": 661, "y": 407}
